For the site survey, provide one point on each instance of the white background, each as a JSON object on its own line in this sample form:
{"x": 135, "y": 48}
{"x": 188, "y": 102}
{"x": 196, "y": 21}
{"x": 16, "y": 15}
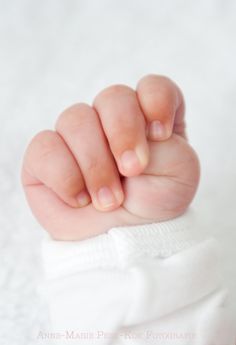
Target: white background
{"x": 57, "y": 52}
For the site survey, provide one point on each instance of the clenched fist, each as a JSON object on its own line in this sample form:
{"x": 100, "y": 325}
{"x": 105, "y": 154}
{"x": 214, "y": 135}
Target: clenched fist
{"x": 124, "y": 160}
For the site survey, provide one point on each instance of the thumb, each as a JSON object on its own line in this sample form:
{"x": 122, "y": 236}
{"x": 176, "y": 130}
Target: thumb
{"x": 168, "y": 184}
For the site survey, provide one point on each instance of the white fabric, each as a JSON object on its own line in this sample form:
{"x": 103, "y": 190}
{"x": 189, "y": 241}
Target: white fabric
{"x": 151, "y": 284}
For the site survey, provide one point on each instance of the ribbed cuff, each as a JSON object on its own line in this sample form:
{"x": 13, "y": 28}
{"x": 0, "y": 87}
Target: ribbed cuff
{"x": 120, "y": 246}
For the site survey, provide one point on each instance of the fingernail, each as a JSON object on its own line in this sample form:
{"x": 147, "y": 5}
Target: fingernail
{"x": 119, "y": 195}
{"x": 83, "y": 198}
{"x": 105, "y": 197}
{"x": 156, "y": 130}
{"x": 133, "y": 159}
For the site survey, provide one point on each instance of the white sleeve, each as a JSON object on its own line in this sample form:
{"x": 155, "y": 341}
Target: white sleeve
{"x": 149, "y": 284}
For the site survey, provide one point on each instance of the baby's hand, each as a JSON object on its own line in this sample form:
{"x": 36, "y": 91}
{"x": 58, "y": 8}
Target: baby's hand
{"x": 123, "y": 161}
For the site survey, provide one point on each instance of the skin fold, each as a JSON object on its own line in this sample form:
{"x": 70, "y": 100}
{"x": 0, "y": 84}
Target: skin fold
{"x": 125, "y": 160}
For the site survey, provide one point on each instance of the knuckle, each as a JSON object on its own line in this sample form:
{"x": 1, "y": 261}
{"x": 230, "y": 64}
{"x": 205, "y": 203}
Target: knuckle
{"x": 73, "y": 117}
{"x": 44, "y": 143}
{"x": 158, "y": 99}
{"x": 154, "y": 79}
{"x": 112, "y": 91}
{"x": 151, "y": 84}
{"x": 161, "y": 88}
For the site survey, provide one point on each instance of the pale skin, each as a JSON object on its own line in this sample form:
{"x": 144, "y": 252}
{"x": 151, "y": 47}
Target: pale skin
{"x": 124, "y": 160}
